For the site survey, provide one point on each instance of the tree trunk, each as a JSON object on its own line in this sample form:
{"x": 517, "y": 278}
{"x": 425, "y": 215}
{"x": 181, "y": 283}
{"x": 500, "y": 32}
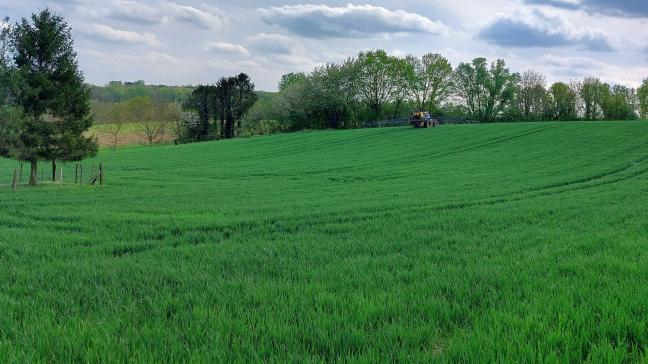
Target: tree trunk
{"x": 53, "y": 170}
{"x": 33, "y": 176}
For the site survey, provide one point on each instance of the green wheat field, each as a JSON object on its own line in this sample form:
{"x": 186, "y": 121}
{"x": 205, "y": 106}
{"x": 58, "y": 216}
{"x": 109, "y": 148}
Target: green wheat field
{"x": 523, "y": 242}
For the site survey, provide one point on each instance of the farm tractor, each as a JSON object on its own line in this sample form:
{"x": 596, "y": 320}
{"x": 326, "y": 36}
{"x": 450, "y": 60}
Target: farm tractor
{"x": 423, "y": 119}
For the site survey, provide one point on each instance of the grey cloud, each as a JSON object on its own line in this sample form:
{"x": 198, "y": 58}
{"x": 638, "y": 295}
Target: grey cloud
{"x": 542, "y": 32}
{"x": 350, "y": 21}
{"x": 108, "y": 34}
{"x": 207, "y": 18}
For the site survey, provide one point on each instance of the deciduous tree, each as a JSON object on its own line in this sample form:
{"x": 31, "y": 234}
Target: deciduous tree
{"x": 642, "y": 95}
{"x": 531, "y": 95}
{"x": 376, "y": 75}
{"x": 561, "y": 102}
{"x": 593, "y": 92}
{"x": 485, "y": 91}
{"x": 432, "y": 81}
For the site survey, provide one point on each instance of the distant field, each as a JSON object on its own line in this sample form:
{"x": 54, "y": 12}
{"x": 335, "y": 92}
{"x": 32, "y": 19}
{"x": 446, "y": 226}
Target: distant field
{"x": 523, "y": 242}
{"x": 131, "y": 134}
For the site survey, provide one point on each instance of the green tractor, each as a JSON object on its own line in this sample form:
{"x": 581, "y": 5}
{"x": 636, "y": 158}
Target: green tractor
{"x": 423, "y": 119}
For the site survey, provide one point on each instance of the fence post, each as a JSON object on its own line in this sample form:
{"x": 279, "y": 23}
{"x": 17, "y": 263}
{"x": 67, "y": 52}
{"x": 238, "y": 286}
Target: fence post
{"x": 76, "y": 174}
{"x": 81, "y": 174}
{"x": 101, "y": 176}
{"x": 92, "y": 173}
{"x": 13, "y": 185}
{"x": 20, "y": 176}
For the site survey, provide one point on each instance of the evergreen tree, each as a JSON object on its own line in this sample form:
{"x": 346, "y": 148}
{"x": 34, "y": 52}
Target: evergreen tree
{"x": 51, "y": 90}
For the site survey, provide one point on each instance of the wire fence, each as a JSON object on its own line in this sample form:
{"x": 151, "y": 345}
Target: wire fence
{"x": 48, "y": 174}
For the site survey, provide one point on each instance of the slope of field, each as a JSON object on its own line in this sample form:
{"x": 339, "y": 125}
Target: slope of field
{"x": 517, "y": 242}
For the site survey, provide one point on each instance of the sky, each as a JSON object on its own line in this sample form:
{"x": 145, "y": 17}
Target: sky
{"x": 189, "y": 42}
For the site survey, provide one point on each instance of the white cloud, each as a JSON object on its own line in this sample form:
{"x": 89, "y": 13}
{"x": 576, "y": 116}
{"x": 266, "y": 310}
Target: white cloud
{"x": 161, "y": 58}
{"x": 146, "y": 58}
{"x": 227, "y": 48}
{"x": 136, "y": 12}
{"x": 106, "y": 33}
{"x": 350, "y": 21}
{"x": 208, "y": 18}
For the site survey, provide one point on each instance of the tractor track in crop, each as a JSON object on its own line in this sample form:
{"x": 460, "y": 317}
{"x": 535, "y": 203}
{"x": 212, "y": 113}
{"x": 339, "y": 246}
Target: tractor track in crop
{"x": 367, "y": 213}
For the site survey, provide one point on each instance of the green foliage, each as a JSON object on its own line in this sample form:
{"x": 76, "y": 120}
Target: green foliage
{"x": 619, "y": 103}
{"x": 12, "y": 122}
{"x": 377, "y": 75}
{"x": 117, "y": 91}
{"x": 561, "y": 102}
{"x": 510, "y": 243}
{"x": 593, "y": 92}
{"x": 221, "y": 106}
{"x": 47, "y": 84}
{"x": 530, "y": 97}
{"x": 485, "y": 91}
{"x": 333, "y": 91}
{"x": 290, "y": 79}
{"x": 642, "y": 95}
{"x": 203, "y": 103}
{"x": 431, "y": 81}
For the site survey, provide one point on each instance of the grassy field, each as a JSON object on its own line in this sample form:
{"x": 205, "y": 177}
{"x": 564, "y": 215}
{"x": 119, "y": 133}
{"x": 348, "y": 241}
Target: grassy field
{"x": 523, "y": 242}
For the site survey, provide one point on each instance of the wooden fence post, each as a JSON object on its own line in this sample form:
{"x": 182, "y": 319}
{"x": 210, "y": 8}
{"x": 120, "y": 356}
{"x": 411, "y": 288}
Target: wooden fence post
{"x": 76, "y": 174}
{"x": 101, "y": 176}
{"x": 15, "y": 179}
{"x": 92, "y": 173}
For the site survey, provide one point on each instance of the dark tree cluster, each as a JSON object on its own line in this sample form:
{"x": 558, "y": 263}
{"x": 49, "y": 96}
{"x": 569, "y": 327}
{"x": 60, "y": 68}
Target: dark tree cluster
{"x": 45, "y": 103}
{"x": 220, "y": 108}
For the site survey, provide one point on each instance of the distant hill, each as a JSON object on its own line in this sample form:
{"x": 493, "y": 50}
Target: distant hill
{"x": 118, "y": 91}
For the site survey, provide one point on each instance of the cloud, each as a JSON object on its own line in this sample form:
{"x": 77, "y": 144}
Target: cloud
{"x": 620, "y": 8}
{"x": 227, "y": 48}
{"x": 537, "y": 29}
{"x": 108, "y": 34}
{"x": 161, "y": 58}
{"x": 151, "y": 58}
{"x": 350, "y": 21}
{"x": 135, "y": 12}
{"x": 211, "y": 18}
{"x": 272, "y": 43}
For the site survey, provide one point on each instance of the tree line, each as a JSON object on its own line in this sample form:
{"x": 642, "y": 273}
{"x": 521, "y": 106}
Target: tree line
{"x": 375, "y": 85}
